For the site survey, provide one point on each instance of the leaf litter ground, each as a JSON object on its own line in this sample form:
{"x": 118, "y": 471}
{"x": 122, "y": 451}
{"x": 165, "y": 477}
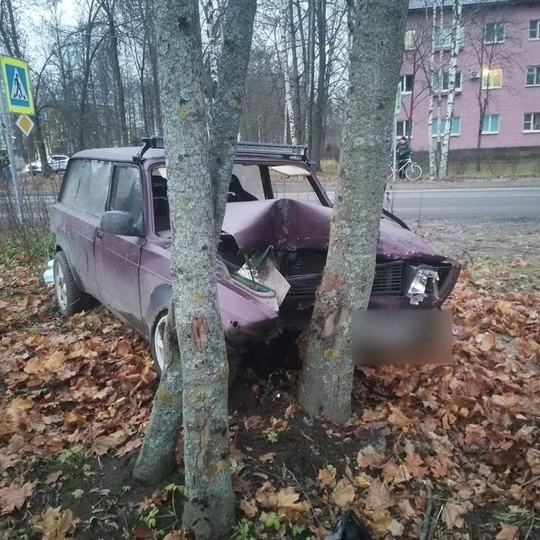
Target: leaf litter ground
{"x": 434, "y": 452}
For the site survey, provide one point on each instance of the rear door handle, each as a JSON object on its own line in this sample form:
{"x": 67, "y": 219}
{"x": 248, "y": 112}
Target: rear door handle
{"x": 99, "y": 233}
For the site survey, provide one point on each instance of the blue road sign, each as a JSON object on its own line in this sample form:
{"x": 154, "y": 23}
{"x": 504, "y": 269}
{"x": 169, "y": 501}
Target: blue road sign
{"x": 17, "y": 85}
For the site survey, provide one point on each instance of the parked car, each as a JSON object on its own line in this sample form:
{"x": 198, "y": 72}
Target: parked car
{"x": 57, "y": 163}
{"x": 112, "y": 239}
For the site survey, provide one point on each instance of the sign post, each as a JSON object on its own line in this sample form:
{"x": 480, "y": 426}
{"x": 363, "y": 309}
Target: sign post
{"x": 15, "y": 97}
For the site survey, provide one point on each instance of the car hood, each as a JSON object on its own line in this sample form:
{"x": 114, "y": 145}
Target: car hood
{"x": 290, "y": 224}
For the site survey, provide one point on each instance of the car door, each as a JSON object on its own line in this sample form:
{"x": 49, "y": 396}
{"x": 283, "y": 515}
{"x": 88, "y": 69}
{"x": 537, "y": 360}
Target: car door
{"x": 118, "y": 257}
{"x": 81, "y": 203}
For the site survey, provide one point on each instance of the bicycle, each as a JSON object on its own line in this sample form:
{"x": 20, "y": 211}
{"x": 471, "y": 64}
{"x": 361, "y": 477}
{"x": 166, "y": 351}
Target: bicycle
{"x": 412, "y": 170}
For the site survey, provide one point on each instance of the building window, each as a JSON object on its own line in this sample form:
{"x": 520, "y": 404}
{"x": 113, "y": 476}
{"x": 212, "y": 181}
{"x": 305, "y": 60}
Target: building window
{"x": 404, "y": 129}
{"x": 445, "y": 82}
{"x": 495, "y": 32}
{"x": 410, "y": 40}
{"x": 407, "y": 82}
{"x": 490, "y": 124}
{"x": 492, "y": 78}
{"x": 534, "y": 29}
{"x": 455, "y": 128}
{"x": 443, "y": 37}
{"x": 533, "y": 76}
{"x": 531, "y": 122}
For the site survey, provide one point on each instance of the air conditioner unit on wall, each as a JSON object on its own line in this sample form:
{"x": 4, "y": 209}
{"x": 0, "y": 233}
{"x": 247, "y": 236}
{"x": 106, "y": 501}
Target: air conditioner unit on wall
{"x": 474, "y": 73}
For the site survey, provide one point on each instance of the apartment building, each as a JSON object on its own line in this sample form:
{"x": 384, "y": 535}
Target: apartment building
{"x": 497, "y": 102}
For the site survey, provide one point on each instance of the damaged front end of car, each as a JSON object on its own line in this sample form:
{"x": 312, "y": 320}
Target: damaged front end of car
{"x": 275, "y": 250}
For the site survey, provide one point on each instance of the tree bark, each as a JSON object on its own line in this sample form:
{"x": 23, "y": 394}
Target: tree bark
{"x": 156, "y": 458}
{"x": 378, "y": 34}
{"x": 431, "y": 150}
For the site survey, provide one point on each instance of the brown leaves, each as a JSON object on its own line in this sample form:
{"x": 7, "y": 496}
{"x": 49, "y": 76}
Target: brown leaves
{"x": 508, "y": 532}
{"x": 14, "y": 496}
{"x": 101, "y": 445}
{"x": 343, "y": 494}
{"x": 453, "y": 513}
{"x": 55, "y": 523}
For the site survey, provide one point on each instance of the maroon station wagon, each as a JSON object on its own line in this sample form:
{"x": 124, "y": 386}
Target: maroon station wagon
{"x": 113, "y": 239}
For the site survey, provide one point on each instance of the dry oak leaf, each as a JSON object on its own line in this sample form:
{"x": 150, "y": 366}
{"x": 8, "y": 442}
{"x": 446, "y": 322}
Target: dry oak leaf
{"x": 265, "y": 458}
{"x": 398, "y": 419}
{"x": 395, "y": 528}
{"x": 101, "y": 445}
{"x": 287, "y": 499}
{"x": 415, "y": 465}
{"x": 14, "y": 496}
{"x": 378, "y": 496}
{"x": 453, "y": 514}
{"x": 405, "y": 509}
{"x": 368, "y": 457}
{"x": 343, "y": 494}
{"x": 53, "y": 477}
{"x": 55, "y": 523}
{"x": 488, "y": 342}
{"x": 266, "y": 495}
{"x": 508, "y": 532}
{"x": 326, "y": 476}
{"x": 249, "y": 507}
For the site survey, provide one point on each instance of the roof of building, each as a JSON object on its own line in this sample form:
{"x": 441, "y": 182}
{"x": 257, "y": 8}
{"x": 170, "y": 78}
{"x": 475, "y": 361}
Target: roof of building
{"x": 422, "y": 4}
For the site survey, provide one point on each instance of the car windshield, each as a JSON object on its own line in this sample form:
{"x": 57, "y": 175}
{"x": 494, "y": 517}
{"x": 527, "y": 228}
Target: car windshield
{"x": 249, "y": 182}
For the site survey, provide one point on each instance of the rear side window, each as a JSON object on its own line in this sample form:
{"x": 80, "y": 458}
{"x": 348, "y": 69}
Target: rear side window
{"x": 86, "y": 185}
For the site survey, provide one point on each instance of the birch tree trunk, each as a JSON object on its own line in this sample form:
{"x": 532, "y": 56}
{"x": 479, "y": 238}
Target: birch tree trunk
{"x": 290, "y": 119}
{"x": 212, "y": 11}
{"x": 450, "y": 99}
{"x": 440, "y": 77}
{"x": 432, "y": 165}
{"x": 375, "y": 59}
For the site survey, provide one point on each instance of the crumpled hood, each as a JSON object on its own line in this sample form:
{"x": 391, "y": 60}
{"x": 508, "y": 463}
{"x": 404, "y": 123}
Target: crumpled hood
{"x": 291, "y": 224}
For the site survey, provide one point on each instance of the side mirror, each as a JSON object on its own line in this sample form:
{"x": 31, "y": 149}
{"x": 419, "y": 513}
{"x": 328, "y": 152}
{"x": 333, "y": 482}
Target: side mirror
{"x": 119, "y": 223}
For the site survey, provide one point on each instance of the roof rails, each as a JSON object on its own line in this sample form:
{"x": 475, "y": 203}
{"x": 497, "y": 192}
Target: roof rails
{"x": 269, "y": 149}
{"x": 149, "y": 142}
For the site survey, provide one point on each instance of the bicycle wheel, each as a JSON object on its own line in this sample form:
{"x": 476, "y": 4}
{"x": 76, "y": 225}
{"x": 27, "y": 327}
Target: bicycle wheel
{"x": 414, "y": 172}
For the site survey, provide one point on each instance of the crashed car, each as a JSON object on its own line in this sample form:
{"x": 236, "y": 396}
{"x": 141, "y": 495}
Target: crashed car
{"x": 112, "y": 238}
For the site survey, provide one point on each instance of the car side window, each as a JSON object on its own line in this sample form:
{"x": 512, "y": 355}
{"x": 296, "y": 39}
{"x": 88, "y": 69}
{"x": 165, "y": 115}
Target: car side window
{"x": 126, "y": 193}
{"x": 86, "y": 185}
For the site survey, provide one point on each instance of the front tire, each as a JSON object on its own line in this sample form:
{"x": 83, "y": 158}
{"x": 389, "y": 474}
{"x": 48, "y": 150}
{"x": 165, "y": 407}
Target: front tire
{"x": 414, "y": 172}
{"x": 157, "y": 346}
{"x": 69, "y": 297}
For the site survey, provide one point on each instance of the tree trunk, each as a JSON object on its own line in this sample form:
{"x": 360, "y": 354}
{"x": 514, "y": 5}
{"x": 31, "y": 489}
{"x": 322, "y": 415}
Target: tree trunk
{"x": 232, "y": 70}
{"x": 450, "y": 99}
{"x": 117, "y": 75}
{"x": 156, "y": 458}
{"x": 378, "y": 34}
{"x": 432, "y": 164}
{"x": 199, "y": 173}
{"x": 294, "y": 77}
{"x": 318, "y": 115}
{"x": 310, "y": 74}
{"x": 284, "y": 60}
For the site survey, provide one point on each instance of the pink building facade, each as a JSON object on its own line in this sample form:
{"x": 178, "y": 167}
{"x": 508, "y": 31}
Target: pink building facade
{"x": 498, "y": 75}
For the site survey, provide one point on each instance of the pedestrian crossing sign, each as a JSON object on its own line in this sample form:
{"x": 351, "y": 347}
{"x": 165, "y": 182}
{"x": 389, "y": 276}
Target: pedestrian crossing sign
{"x": 17, "y": 86}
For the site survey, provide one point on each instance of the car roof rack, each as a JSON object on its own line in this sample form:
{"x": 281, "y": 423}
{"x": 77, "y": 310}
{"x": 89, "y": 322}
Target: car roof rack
{"x": 155, "y": 141}
{"x": 245, "y": 148}
{"x": 272, "y": 149}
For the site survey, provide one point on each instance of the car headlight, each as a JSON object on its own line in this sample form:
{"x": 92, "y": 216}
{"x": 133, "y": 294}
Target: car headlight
{"x": 423, "y": 281}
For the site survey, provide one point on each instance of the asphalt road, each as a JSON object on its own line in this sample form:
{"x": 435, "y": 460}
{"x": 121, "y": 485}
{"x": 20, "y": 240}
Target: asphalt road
{"x": 498, "y": 203}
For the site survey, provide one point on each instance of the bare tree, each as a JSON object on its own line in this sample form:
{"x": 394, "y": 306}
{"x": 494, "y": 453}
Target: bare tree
{"x": 199, "y": 172}
{"x": 378, "y": 30}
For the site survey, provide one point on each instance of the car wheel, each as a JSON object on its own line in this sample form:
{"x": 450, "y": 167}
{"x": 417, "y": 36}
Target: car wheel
{"x": 158, "y": 349}
{"x": 69, "y": 297}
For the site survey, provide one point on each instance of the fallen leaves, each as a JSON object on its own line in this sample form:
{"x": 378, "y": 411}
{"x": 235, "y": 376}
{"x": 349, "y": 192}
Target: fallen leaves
{"x": 343, "y": 494}
{"x": 55, "y": 523}
{"x": 14, "y": 496}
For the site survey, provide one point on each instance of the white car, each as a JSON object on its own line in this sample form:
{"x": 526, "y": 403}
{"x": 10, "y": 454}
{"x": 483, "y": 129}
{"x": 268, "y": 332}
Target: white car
{"x": 57, "y": 163}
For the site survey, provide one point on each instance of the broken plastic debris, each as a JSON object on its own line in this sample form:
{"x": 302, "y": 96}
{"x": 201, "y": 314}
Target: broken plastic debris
{"x": 48, "y": 275}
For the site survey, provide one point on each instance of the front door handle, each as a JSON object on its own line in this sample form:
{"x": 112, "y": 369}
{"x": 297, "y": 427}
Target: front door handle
{"x": 99, "y": 233}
